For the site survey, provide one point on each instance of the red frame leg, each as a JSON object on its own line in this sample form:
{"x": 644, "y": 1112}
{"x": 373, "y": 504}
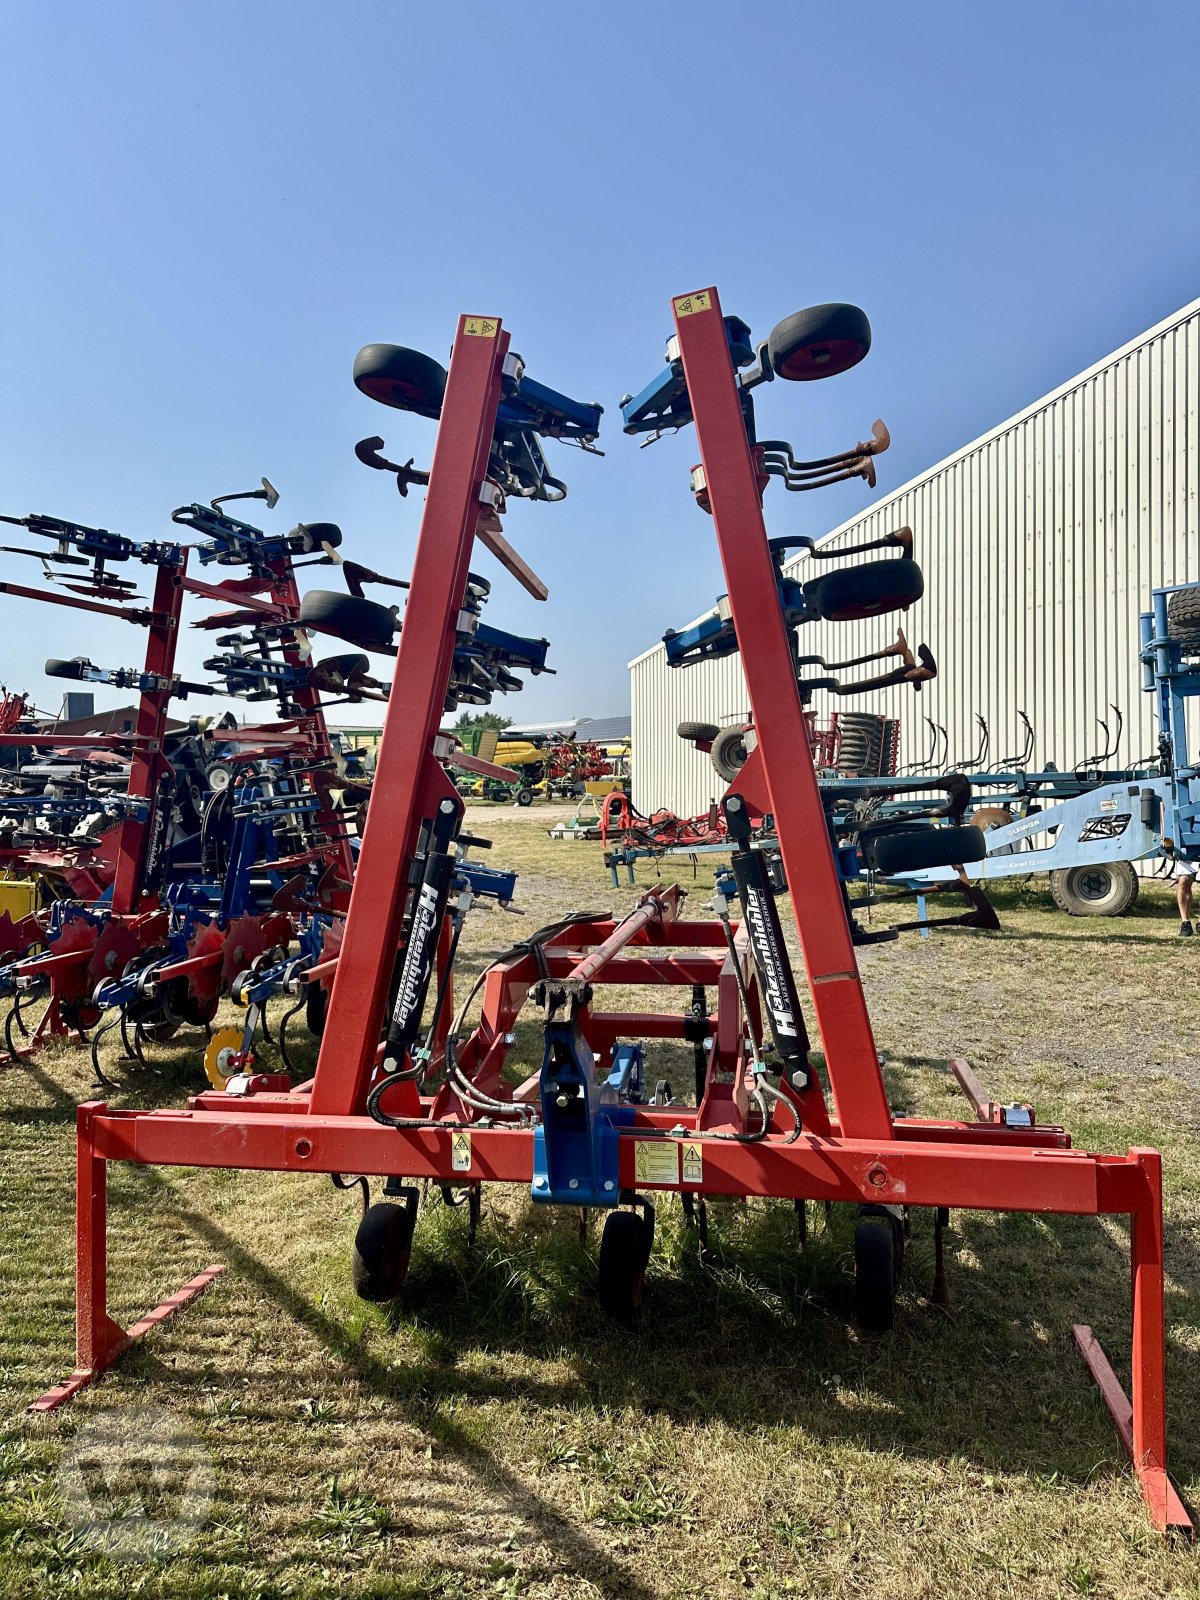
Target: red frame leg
{"x": 99, "y": 1341}
{"x": 1142, "y": 1422}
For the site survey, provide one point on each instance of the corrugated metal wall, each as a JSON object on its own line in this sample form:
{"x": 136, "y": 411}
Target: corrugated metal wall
{"x": 1039, "y": 543}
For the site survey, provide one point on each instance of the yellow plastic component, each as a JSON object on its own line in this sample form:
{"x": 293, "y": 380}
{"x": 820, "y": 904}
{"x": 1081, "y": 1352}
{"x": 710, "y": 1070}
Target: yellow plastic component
{"x": 18, "y": 896}
{"x": 218, "y": 1068}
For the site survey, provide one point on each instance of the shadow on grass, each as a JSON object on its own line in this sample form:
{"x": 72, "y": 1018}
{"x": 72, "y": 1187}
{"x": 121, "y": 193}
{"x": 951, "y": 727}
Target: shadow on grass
{"x": 759, "y": 1338}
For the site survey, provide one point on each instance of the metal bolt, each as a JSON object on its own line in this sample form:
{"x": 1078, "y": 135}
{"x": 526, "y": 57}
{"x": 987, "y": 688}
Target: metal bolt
{"x": 541, "y": 1183}
{"x": 609, "y": 1185}
{"x": 574, "y": 1183}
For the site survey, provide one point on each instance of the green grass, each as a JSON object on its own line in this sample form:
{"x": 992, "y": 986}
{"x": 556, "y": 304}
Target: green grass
{"x": 493, "y": 1435}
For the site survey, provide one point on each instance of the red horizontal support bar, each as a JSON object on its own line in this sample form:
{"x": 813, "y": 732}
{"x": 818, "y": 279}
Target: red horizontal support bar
{"x": 247, "y": 602}
{"x": 971, "y": 1176}
{"x": 77, "y": 603}
{"x": 73, "y": 741}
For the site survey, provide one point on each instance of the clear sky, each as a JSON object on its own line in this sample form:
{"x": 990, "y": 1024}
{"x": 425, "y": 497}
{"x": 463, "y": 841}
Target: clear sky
{"x": 205, "y": 209}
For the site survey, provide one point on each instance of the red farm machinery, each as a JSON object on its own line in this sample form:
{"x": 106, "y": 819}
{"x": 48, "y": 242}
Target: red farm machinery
{"x": 406, "y": 1091}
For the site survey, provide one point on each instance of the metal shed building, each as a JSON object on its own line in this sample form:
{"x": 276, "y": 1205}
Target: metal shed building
{"x": 1040, "y": 543}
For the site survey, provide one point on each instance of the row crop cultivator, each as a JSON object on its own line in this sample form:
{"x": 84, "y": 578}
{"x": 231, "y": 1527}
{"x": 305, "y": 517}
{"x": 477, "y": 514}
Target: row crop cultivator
{"x": 224, "y": 843}
{"x": 407, "y": 1091}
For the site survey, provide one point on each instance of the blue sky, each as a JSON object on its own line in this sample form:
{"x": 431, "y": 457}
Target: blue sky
{"x": 206, "y": 209}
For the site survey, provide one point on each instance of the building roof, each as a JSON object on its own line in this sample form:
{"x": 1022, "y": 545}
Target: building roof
{"x": 122, "y": 719}
{"x": 600, "y": 729}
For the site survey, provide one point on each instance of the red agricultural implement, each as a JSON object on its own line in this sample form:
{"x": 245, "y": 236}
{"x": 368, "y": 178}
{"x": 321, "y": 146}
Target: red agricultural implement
{"x": 405, "y": 1103}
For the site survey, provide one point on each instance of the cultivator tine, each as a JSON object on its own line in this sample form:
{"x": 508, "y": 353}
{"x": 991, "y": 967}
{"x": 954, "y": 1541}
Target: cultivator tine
{"x": 1021, "y": 761}
{"x": 16, "y": 1018}
{"x": 283, "y": 1031}
{"x": 128, "y": 1045}
{"x": 939, "y": 1294}
{"x": 13, "y": 1016}
{"x": 101, "y": 1078}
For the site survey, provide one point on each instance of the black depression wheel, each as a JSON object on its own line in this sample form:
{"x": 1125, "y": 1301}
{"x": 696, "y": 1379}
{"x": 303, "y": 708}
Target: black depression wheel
{"x": 917, "y": 849}
{"x": 1107, "y": 889}
{"x": 819, "y": 342}
{"x": 309, "y": 536}
{"x": 876, "y": 1267}
{"x": 866, "y": 591}
{"x": 729, "y": 753}
{"x": 524, "y": 797}
{"x": 404, "y": 379}
{"x": 362, "y": 622}
{"x": 691, "y": 731}
{"x": 382, "y": 1247}
{"x": 624, "y": 1256}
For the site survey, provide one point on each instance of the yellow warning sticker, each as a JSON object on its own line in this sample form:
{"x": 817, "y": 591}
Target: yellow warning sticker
{"x": 481, "y": 327}
{"x": 693, "y": 1161}
{"x": 656, "y": 1161}
{"x": 688, "y": 304}
{"x": 460, "y": 1152}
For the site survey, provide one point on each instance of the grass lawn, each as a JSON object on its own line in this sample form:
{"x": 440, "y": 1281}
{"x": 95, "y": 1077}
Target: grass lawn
{"x": 494, "y": 1435}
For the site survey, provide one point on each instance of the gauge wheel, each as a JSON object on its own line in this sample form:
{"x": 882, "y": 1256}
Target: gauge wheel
{"x": 382, "y": 1249}
{"x": 624, "y": 1256}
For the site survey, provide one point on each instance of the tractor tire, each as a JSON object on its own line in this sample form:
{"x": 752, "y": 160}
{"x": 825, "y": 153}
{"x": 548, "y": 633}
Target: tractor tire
{"x": 364, "y": 623}
{"x": 729, "y": 753}
{"x": 1107, "y": 889}
{"x": 524, "y": 797}
{"x": 869, "y": 590}
{"x": 382, "y": 1247}
{"x": 624, "y": 1256}
{"x": 818, "y": 342}
{"x": 1183, "y": 616}
{"x": 918, "y": 849}
{"x": 694, "y": 731}
{"x": 404, "y": 379}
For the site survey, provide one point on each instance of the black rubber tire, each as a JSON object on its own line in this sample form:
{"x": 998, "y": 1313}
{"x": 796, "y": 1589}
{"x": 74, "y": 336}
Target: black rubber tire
{"x": 818, "y": 342}
{"x": 729, "y": 753}
{"x": 382, "y": 1247}
{"x": 916, "y": 849}
{"x": 316, "y": 1008}
{"x": 364, "y": 623}
{"x": 1107, "y": 889}
{"x": 868, "y": 590}
{"x": 55, "y": 668}
{"x": 524, "y": 797}
{"x": 691, "y": 731}
{"x": 875, "y": 1274}
{"x": 309, "y": 536}
{"x": 401, "y": 378}
{"x": 624, "y": 1256}
{"x": 1183, "y": 616}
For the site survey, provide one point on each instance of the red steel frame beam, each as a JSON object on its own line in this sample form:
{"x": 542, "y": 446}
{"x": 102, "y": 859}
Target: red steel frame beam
{"x": 767, "y": 660}
{"x": 409, "y": 781}
{"x": 149, "y": 764}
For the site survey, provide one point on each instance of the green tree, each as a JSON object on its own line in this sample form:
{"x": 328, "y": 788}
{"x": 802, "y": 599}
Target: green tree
{"x": 481, "y": 719}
